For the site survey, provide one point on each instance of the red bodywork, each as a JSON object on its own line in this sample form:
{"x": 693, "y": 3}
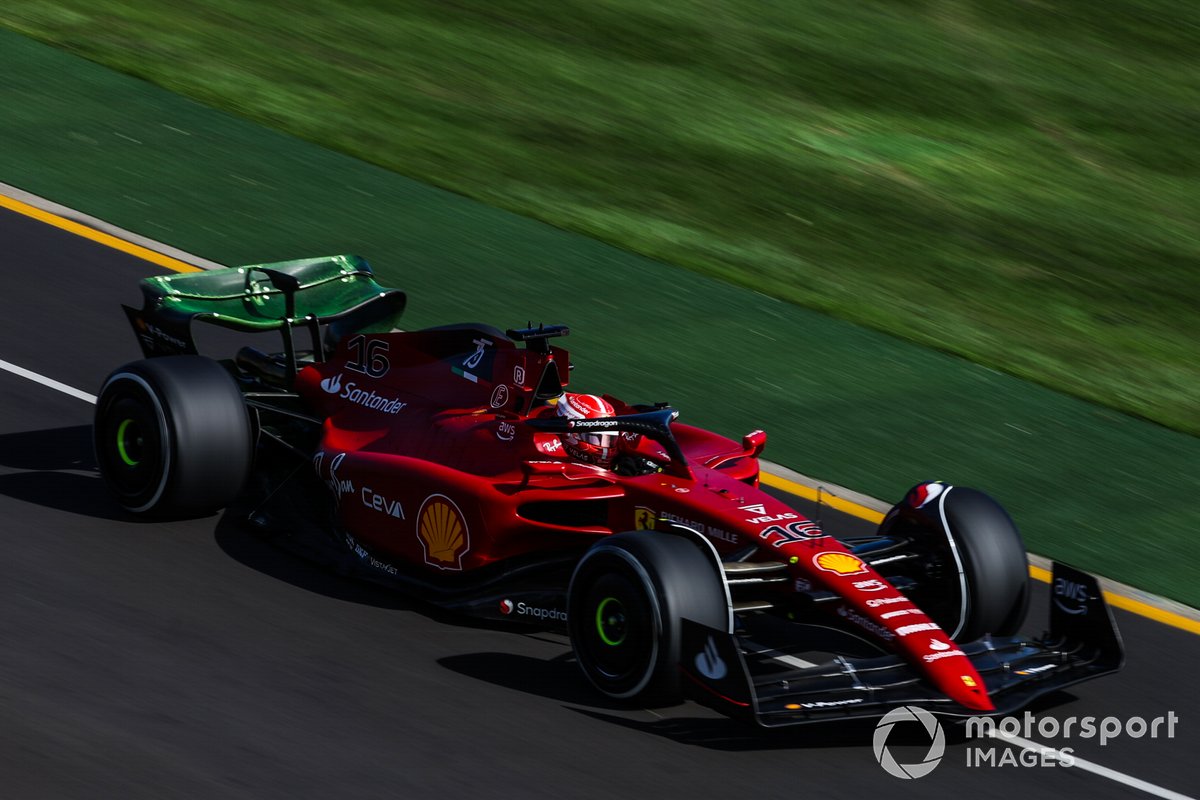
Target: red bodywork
{"x": 426, "y": 449}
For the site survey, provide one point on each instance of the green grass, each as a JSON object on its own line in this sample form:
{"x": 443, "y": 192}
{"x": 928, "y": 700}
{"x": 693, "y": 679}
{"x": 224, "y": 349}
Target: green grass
{"x": 1102, "y": 490}
{"x": 1016, "y": 183}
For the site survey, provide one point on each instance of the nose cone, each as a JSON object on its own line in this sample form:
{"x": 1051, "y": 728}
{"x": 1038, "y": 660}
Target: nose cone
{"x": 963, "y": 685}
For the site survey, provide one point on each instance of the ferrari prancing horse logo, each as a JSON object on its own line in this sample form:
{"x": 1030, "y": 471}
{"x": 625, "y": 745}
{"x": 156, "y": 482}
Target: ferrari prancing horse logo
{"x": 443, "y": 532}
{"x": 643, "y": 518}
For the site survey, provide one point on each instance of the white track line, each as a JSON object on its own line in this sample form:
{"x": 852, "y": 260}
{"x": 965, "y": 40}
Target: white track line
{"x": 1090, "y": 766}
{"x": 791, "y": 661}
{"x": 44, "y": 381}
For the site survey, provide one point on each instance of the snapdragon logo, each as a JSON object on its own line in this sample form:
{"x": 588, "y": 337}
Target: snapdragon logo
{"x": 933, "y": 757}
{"x": 523, "y": 609}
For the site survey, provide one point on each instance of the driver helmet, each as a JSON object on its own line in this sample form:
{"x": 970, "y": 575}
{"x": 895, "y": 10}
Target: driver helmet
{"x": 590, "y": 448}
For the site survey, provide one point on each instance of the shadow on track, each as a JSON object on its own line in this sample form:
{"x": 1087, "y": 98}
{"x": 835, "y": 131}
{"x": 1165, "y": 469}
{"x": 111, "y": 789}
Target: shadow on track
{"x": 556, "y": 678}
{"x": 559, "y": 679}
{"x": 737, "y": 736}
{"x": 729, "y": 735}
{"x": 240, "y": 542}
{"x": 60, "y": 472}
{"x": 316, "y": 563}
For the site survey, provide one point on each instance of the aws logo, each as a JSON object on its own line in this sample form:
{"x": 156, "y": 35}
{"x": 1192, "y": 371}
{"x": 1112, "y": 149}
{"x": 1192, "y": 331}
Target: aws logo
{"x": 1070, "y": 597}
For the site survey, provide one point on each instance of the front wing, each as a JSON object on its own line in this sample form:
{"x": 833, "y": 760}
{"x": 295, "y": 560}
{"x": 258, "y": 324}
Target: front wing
{"x": 1082, "y": 643}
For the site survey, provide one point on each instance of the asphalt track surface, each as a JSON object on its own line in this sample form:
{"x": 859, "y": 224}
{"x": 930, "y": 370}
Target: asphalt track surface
{"x": 190, "y": 659}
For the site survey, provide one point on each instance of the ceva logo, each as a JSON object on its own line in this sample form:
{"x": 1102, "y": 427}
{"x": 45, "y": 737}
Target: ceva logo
{"x": 332, "y": 385}
{"x": 377, "y": 502}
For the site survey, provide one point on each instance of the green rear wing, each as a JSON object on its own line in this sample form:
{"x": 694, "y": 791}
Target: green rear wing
{"x": 338, "y": 292}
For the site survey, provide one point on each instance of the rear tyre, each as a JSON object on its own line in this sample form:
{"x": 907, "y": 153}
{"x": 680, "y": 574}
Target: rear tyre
{"x": 172, "y": 436}
{"x": 627, "y": 599}
{"x": 956, "y": 525}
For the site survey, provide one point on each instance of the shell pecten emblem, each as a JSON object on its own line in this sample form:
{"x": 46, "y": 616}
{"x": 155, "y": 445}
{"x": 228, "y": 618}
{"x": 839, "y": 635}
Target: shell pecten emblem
{"x": 443, "y": 532}
{"x": 839, "y": 563}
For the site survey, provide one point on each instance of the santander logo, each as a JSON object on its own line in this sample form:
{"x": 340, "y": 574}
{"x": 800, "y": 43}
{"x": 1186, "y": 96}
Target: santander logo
{"x": 363, "y": 397}
{"x": 709, "y": 662}
{"x": 332, "y": 385}
{"x": 589, "y": 404}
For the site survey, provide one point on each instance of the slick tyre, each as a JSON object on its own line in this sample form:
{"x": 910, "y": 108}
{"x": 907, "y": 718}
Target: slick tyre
{"x": 979, "y": 579}
{"x": 172, "y": 436}
{"x": 625, "y": 604}
{"x": 994, "y": 564}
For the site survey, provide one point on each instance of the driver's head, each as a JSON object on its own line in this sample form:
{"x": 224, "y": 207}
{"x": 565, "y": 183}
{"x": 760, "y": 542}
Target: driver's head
{"x": 590, "y": 448}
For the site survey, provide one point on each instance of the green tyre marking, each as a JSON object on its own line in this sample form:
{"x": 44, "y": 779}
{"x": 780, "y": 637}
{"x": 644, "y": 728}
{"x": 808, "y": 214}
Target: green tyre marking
{"x": 601, "y": 622}
{"x": 133, "y": 462}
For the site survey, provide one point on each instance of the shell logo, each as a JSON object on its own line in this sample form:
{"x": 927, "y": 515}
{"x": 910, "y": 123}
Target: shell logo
{"x": 839, "y": 563}
{"x": 443, "y": 532}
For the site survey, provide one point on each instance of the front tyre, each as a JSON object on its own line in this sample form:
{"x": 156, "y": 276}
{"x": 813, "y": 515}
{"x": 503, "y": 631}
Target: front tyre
{"x": 994, "y": 563}
{"x": 172, "y": 436}
{"x": 978, "y": 579}
{"x": 627, "y": 599}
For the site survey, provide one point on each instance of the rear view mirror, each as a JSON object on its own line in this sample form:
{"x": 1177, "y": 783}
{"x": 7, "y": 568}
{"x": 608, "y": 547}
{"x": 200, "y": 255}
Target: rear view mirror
{"x": 754, "y": 443}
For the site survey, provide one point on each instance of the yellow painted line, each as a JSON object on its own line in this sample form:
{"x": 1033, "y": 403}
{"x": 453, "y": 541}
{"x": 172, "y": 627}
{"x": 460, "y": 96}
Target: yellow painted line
{"x": 807, "y": 492}
{"x": 100, "y": 237}
{"x": 827, "y": 499}
{"x": 1040, "y": 574}
{"x": 1152, "y": 612}
{"x": 1134, "y": 606}
{"x": 1037, "y": 573}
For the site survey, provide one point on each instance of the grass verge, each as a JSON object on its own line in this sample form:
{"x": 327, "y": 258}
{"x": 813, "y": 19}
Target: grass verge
{"x": 1014, "y": 183}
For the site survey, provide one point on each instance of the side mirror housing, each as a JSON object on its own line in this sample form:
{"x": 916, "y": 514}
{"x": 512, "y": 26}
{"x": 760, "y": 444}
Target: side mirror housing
{"x": 754, "y": 443}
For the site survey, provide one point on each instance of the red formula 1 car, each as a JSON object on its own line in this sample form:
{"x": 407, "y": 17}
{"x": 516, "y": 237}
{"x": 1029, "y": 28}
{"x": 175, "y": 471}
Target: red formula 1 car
{"x": 452, "y": 463}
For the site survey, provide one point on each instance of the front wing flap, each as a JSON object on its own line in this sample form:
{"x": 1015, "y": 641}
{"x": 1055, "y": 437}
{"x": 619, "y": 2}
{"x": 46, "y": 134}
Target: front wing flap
{"x": 1082, "y": 643}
